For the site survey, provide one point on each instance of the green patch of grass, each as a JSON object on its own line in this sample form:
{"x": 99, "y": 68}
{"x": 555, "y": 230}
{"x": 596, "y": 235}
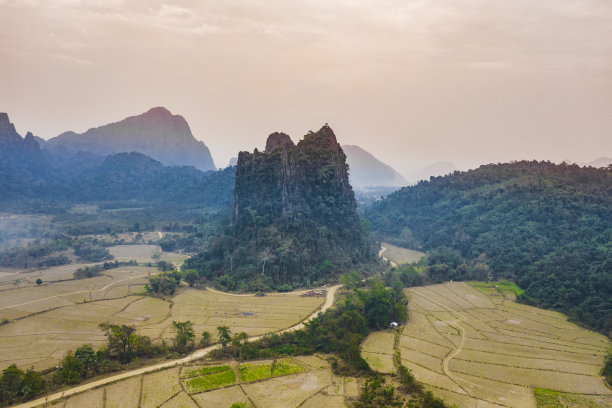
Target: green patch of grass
{"x": 210, "y": 381}
{"x": 253, "y": 372}
{"x": 494, "y": 288}
{"x": 555, "y": 399}
{"x": 203, "y": 371}
{"x": 547, "y": 398}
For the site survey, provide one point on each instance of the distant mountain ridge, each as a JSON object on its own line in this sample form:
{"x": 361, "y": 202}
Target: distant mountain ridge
{"x": 29, "y": 174}
{"x": 156, "y": 133}
{"x": 365, "y": 170}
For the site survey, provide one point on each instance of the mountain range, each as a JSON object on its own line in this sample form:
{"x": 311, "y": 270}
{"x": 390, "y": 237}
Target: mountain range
{"x": 156, "y": 133}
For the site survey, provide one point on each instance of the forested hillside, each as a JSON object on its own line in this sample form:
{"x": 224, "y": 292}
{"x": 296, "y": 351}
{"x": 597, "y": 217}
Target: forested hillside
{"x": 294, "y": 222}
{"x": 546, "y": 226}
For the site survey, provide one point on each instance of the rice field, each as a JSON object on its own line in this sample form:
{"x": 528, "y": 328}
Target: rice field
{"x": 312, "y": 386}
{"x": 401, "y": 255}
{"x": 378, "y": 351}
{"x": 54, "y": 324}
{"x": 474, "y": 346}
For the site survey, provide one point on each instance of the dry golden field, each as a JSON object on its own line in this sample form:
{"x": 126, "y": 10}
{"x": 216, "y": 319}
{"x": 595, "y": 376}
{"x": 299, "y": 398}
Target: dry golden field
{"x": 45, "y": 322}
{"x": 315, "y": 387}
{"x": 51, "y": 333}
{"x": 401, "y": 255}
{"x": 485, "y": 350}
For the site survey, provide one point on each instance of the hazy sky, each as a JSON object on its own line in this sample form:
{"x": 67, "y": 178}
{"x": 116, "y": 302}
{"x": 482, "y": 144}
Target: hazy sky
{"x": 412, "y": 81}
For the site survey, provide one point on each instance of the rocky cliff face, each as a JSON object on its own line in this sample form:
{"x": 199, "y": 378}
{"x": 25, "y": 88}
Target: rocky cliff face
{"x": 294, "y": 218}
{"x": 156, "y": 133}
{"x": 288, "y": 177}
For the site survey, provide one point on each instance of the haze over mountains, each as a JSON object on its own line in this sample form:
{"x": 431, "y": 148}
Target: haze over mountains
{"x": 157, "y": 133}
{"x": 366, "y": 170}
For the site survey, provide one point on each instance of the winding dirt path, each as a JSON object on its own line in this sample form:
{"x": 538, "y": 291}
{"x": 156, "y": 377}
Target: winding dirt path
{"x": 380, "y": 254}
{"x": 455, "y": 324}
{"x": 329, "y": 301}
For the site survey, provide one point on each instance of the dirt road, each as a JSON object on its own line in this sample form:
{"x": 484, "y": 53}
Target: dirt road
{"x": 381, "y": 252}
{"x": 329, "y": 301}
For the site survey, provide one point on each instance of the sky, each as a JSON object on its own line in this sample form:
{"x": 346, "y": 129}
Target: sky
{"x": 412, "y": 81}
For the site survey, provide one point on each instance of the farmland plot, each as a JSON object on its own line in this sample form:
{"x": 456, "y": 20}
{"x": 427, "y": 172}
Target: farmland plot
{"x": 480, "y": 348}
{"x": 377, "y": 350}
{"x": 312, "y": 385}
{"x": 62, "y": 321}
{"x": 401, "y": 255}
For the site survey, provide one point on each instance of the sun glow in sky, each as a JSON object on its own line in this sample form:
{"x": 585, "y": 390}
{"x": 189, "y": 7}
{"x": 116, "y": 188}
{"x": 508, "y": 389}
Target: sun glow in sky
{"x": 411, "y": 81}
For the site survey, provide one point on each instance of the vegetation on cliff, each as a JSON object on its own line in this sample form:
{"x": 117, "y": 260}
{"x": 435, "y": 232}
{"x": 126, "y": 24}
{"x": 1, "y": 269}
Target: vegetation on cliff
{"x": 294, "y": 219}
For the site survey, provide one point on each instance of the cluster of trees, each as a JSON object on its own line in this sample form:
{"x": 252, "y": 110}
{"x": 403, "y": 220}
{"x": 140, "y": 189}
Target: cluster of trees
{"x": 95, "y": 270}
{"x": 547, "y": 227}
{"x": 294, "y": 221}
{"x": 91, "y": 252}
{"x": 34, "y": 253}
{"x": 15, "y": 383}
{"x": 164, "y": 283}
{"x": 338, "y": 331}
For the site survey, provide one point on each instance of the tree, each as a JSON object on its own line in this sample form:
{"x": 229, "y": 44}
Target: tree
{"x": 38, "y": 281}
{"x": 205, "y": 340}
{"x": 33, "y": 384}
{"x": 239, "y": 340}
{"x": 70, "y": 369}
{"x": 224, "y": 335}
{"x": 88, "y": 357}
{"x": 183, "y": 341}
{"x": 190, "y": 276}
{"x": 121, "y": 340}
{"x": 350, "y": 279}
{"x": 11, "y": 383}
{"x": 264, "y": 256}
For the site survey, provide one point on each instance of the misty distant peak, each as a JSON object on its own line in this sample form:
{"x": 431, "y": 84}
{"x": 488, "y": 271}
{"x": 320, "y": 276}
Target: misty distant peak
{"x": 367, "y": 171}
{"x": 158, "y": 111}
{"x": 8, "y": 134}
{"x": 157, "y": 133}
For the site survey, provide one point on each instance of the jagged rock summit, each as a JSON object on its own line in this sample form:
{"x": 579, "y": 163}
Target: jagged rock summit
{"x": 295, "y": 209}
{"x": 157, "y": 133}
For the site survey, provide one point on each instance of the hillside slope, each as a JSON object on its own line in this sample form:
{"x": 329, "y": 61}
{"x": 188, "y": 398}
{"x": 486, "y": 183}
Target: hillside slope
{"x": 546, "y": 226}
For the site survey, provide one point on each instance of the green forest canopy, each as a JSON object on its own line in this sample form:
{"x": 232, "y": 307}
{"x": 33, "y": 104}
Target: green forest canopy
{"x": 548, "y": 227}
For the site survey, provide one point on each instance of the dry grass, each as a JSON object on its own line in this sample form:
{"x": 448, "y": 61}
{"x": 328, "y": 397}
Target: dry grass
{"x": 508, "y": 348}
{"x": 89, "y": 399}
{"x": 377, "y": 350}
{"x": 63, "y": 322}
{"x": 123, "y": 394}
{"x": 401, "y": 255}
{"x": 181, "y": 400}
{"x": 159, "y": 387}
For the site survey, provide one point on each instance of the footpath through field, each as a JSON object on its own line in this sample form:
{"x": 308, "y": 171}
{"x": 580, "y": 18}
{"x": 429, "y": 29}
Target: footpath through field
{"x": 380, "y": 254}
{"x": 329, "y": 301}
